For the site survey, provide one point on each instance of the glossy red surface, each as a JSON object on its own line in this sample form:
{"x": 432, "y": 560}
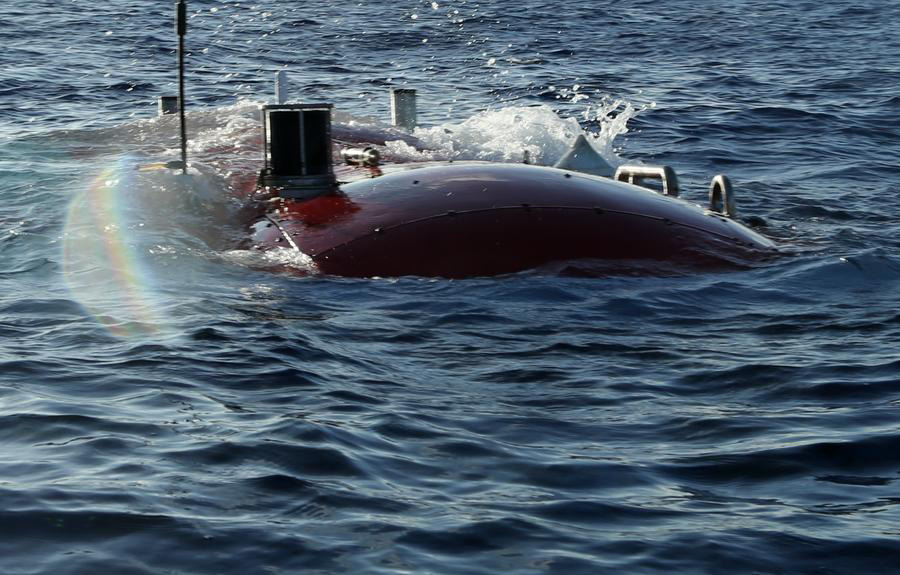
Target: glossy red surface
{"x": 464, "y": 220}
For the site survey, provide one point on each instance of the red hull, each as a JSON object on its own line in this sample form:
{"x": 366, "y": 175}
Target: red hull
{"x": 465, "y": 220}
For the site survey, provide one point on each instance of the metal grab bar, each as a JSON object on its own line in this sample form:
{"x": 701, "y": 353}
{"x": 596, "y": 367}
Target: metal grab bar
{"x": 721, "y": 196}
{"x": 635, "y": 174}
{"x": 368, "y": 156}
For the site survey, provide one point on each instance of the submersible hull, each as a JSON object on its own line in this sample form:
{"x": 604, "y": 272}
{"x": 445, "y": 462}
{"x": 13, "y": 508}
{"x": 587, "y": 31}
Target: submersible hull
{"x": 466, "y": 220}
{"x": 460, "y": 220}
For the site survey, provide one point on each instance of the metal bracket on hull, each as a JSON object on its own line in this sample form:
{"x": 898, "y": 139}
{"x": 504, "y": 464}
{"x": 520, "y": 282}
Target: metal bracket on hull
{"x": 721, "y": 196}
{"x": 636, "y": 174}
{"x": 368, "y": 156}
{"x": 403, "y": 108}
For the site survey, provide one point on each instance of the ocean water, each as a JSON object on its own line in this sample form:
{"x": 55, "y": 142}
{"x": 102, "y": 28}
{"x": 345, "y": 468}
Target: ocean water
{"x": 174, "y": 403}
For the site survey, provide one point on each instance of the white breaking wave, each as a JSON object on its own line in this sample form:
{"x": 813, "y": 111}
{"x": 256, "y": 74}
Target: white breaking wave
{"x": 274, "y": 259}
{"x": 505, "y": 135}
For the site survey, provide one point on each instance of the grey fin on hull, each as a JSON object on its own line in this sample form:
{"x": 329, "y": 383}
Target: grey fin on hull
{"x": 582, "y": 157}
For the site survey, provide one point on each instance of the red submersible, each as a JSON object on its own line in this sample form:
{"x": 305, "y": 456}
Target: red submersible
{"x": 468, "y": 219}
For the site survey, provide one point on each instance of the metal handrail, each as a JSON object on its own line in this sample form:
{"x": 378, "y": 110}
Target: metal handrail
{"x": 721, "y": 196}
{"x": 636, "y": 174}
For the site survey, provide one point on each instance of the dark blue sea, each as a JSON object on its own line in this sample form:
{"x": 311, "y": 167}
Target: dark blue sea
{"x": 174, "y": 403}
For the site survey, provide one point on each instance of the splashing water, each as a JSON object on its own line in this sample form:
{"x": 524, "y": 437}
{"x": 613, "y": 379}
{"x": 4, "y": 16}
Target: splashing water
{"x": 102, "y": 266}
{"x": 275, "y": 260}
{"x": 611, "y": 116}
{"x": 505, "y": 135}
{"x": 108, "y": 264}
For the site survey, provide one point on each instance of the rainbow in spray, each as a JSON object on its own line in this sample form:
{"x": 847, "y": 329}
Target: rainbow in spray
{"x": 104, "y": 268}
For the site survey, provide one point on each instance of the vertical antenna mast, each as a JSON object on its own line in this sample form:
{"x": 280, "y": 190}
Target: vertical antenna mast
{"x": 181, "y": 30}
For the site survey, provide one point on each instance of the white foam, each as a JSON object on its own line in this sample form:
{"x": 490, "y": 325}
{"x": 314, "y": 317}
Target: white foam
{"x": 274, "y": 260}
{"x": 216, "y": 133}
{"x": 505, "y": 135}
{"x": 229, "y": 138}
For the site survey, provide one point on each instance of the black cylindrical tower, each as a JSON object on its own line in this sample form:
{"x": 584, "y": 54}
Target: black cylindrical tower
{"x": 297, "y": 139}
